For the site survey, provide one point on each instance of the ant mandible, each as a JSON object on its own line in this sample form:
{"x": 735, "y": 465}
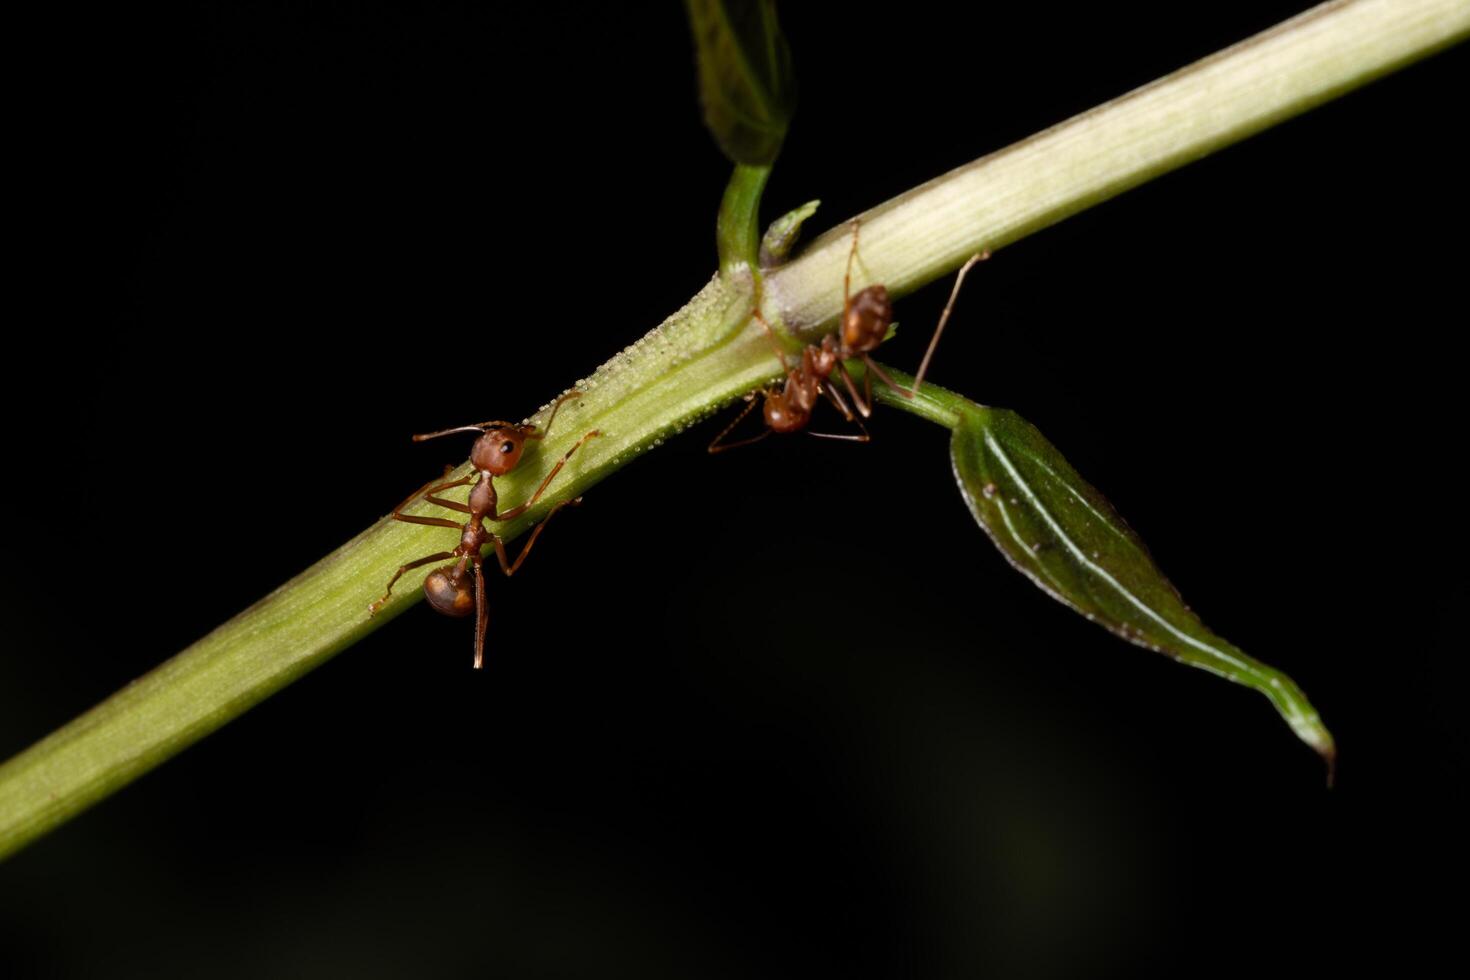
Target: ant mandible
{"x": 866, "y": 319}
{"x": 495, "y": 453}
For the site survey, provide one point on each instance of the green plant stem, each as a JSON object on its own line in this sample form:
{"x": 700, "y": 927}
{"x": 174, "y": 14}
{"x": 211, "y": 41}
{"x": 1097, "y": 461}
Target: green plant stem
{"x": 929, "y": 231}
{"x": 712, "y": 351}
{"x": 737, "y": 228}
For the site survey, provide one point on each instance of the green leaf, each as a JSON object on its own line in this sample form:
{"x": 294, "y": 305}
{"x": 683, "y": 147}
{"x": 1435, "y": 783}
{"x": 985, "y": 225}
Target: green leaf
{"x": 745, "y": 77}
{"x": 784, "y": 233}
{"x": 1054, "y": 527}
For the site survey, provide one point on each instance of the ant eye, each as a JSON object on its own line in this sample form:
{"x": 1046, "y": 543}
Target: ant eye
{"x": 507, "y": 448}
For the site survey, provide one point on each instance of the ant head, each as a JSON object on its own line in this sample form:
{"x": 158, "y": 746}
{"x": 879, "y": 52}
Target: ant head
{"x": 866, "y": 320}
{"x": 448, "y": 591}
{"x": 498, "y": 449}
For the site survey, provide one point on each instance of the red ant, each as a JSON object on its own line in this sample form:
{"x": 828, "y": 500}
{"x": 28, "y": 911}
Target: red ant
{"x": 495, "y": 453}
{"x": 866, "y": 319}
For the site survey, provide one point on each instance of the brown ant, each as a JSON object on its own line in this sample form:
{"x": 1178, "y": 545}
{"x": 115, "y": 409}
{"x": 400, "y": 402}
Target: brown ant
{"x": 866, "y": 319}
{"x": 495, "y": 453}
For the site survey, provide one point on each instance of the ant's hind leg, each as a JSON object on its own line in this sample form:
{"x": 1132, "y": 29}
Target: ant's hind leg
{"x": 482, "y": 612}
{"x": 959, "y": 281}
{"x": 430, "y": 521}
{"x": 373, "y": 607}
{"x": 509, "y": 567}
{"x": 875, "y": 369}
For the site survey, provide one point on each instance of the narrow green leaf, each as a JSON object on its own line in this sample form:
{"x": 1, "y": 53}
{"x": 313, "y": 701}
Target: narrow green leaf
{"x": 1054, "y": 527}
{"x": 745, "y": 77}
{"x": 784, "y": 233}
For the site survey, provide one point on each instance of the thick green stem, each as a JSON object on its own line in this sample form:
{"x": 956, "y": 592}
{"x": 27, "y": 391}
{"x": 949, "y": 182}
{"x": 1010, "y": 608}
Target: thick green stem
{"x": 710, "y": 352}
{"x": 927, "y": 232}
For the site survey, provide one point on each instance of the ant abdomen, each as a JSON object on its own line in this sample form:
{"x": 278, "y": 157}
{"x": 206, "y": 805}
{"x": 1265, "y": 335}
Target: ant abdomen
{"x": 448, "y": 591}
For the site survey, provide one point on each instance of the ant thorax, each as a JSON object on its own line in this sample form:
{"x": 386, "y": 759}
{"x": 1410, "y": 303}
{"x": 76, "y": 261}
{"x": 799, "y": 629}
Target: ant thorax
{"x": 483, "y": 498}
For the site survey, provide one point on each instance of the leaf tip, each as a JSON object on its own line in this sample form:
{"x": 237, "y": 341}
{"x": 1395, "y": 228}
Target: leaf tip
{"x": 1309, "y": 728}
{"x": 781, "y": 237}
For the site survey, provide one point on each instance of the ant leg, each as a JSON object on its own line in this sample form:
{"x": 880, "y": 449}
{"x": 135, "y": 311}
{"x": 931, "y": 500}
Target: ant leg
{"x": 864, "y": 408}
{"x": 431, "y": 521}
{"x": 944, "y": 318}
{"x": 373, "y": 607}
{"x": 431, "y": 488}
{"x": 837, "y": 400}
{"x": 509, "y": 567}
{"x": 874, "y": 368}
{"x": 449, "y": 504}
{"x": 482, "y": 612}
{"x": 518, "y": 511}
{"x": 743, "y": 442}
{"x": 862, "y": 437}
{"x": 714, "y": 445}
{"x": 771, "y": 336}
{"x": 847, "y": 276}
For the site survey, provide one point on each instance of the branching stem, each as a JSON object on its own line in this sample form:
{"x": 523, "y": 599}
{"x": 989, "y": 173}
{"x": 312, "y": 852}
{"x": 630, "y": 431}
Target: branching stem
{"x": 712, "y": 351}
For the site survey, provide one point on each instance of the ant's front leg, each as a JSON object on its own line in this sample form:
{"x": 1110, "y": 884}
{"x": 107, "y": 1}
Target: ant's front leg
{"x": 875, "y": 369}
{"x": 518, "y": 511}
{"x": 959, "y": 281}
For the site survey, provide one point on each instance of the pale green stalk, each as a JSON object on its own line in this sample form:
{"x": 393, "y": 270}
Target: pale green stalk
{"x": 1303, "y": 62}
{"x": 711, "y": 351}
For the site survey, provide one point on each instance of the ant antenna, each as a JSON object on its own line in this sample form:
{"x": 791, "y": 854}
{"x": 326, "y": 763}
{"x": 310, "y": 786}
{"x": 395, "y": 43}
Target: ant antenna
{"x": 482, "y": 427}
{"x": 534, "y": 434}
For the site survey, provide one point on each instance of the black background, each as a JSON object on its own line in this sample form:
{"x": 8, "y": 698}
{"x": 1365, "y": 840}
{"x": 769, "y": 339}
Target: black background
{"x": 780, "y": 712}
